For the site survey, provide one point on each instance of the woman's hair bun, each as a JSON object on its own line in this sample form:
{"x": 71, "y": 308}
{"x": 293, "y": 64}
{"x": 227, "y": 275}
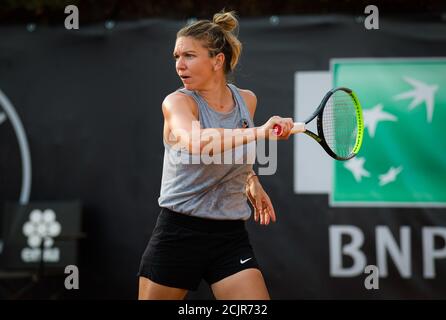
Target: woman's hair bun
{"x": 226, "y": 20}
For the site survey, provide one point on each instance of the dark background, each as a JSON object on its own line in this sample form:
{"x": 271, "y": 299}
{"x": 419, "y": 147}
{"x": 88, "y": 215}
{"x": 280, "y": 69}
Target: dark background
{"x": 51, "y": 11}
{"x": 90, "y": 102}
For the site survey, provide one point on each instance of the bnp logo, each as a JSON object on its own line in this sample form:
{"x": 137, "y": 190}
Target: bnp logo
{"x": 402, "y": 162}
{"x": 41, "y": 229}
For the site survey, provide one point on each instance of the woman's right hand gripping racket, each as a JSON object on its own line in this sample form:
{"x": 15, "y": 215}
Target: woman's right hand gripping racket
{"x": 340, "y": 126}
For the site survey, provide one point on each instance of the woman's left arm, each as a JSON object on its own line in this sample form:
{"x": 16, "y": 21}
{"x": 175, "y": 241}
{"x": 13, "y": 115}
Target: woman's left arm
{"x": 263, "y": 208}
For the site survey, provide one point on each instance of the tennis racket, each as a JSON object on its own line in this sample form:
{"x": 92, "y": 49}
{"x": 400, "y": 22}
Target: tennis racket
{"x": 340, "y": 126}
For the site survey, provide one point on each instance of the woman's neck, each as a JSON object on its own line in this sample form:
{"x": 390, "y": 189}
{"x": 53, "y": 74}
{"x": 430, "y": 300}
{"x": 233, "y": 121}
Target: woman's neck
{"x": 218, "y": 96}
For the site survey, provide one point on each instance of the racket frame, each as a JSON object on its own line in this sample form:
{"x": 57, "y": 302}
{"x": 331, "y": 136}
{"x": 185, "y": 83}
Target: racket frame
{"x": 320, "y": 138}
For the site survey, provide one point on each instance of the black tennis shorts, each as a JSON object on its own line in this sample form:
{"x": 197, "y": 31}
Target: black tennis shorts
{"x": 185, "y": 249}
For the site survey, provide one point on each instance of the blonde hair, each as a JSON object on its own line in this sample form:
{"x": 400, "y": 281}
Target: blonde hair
{"x": 218, "y": 36}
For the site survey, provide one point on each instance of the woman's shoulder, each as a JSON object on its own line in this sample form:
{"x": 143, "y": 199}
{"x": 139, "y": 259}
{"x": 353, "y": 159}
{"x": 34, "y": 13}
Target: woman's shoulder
{"x": 246, "y": 92}
{"x": 177, "y": 96}
{"x": 177, "y": 99}
{"x": 250, "y": 99}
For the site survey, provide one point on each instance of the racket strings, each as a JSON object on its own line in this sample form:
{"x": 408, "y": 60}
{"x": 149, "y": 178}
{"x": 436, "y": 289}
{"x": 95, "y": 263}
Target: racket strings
{"x": 339, "y": 124}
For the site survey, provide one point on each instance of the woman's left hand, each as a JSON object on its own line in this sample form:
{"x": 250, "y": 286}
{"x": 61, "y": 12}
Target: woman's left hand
{"x": 263, "y": 208}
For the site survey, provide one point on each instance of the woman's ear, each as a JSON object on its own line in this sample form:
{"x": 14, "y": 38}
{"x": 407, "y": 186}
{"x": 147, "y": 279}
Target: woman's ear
{"x": 219, "y": 61}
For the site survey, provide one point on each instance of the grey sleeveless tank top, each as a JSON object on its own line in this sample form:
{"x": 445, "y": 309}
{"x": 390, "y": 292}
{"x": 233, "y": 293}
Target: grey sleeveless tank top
{"x": 214, "y": 191}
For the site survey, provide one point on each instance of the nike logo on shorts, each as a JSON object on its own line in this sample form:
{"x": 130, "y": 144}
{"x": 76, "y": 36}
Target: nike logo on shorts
{"x": 244, "y": 261}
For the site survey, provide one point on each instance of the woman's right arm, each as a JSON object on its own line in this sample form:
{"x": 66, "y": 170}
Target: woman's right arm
{"x": 180, "y": 114}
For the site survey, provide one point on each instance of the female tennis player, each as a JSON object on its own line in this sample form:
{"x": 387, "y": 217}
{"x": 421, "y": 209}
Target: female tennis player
{"x": 200, "y": 232}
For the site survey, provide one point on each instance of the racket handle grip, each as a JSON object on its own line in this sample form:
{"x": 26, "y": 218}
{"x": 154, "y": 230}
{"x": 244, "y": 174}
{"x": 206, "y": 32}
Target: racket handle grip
{"x": 298, "y": 128}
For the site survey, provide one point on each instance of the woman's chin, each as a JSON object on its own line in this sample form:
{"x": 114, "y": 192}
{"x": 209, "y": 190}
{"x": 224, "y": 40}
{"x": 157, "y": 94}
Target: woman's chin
{"x": 188, "y": 86}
